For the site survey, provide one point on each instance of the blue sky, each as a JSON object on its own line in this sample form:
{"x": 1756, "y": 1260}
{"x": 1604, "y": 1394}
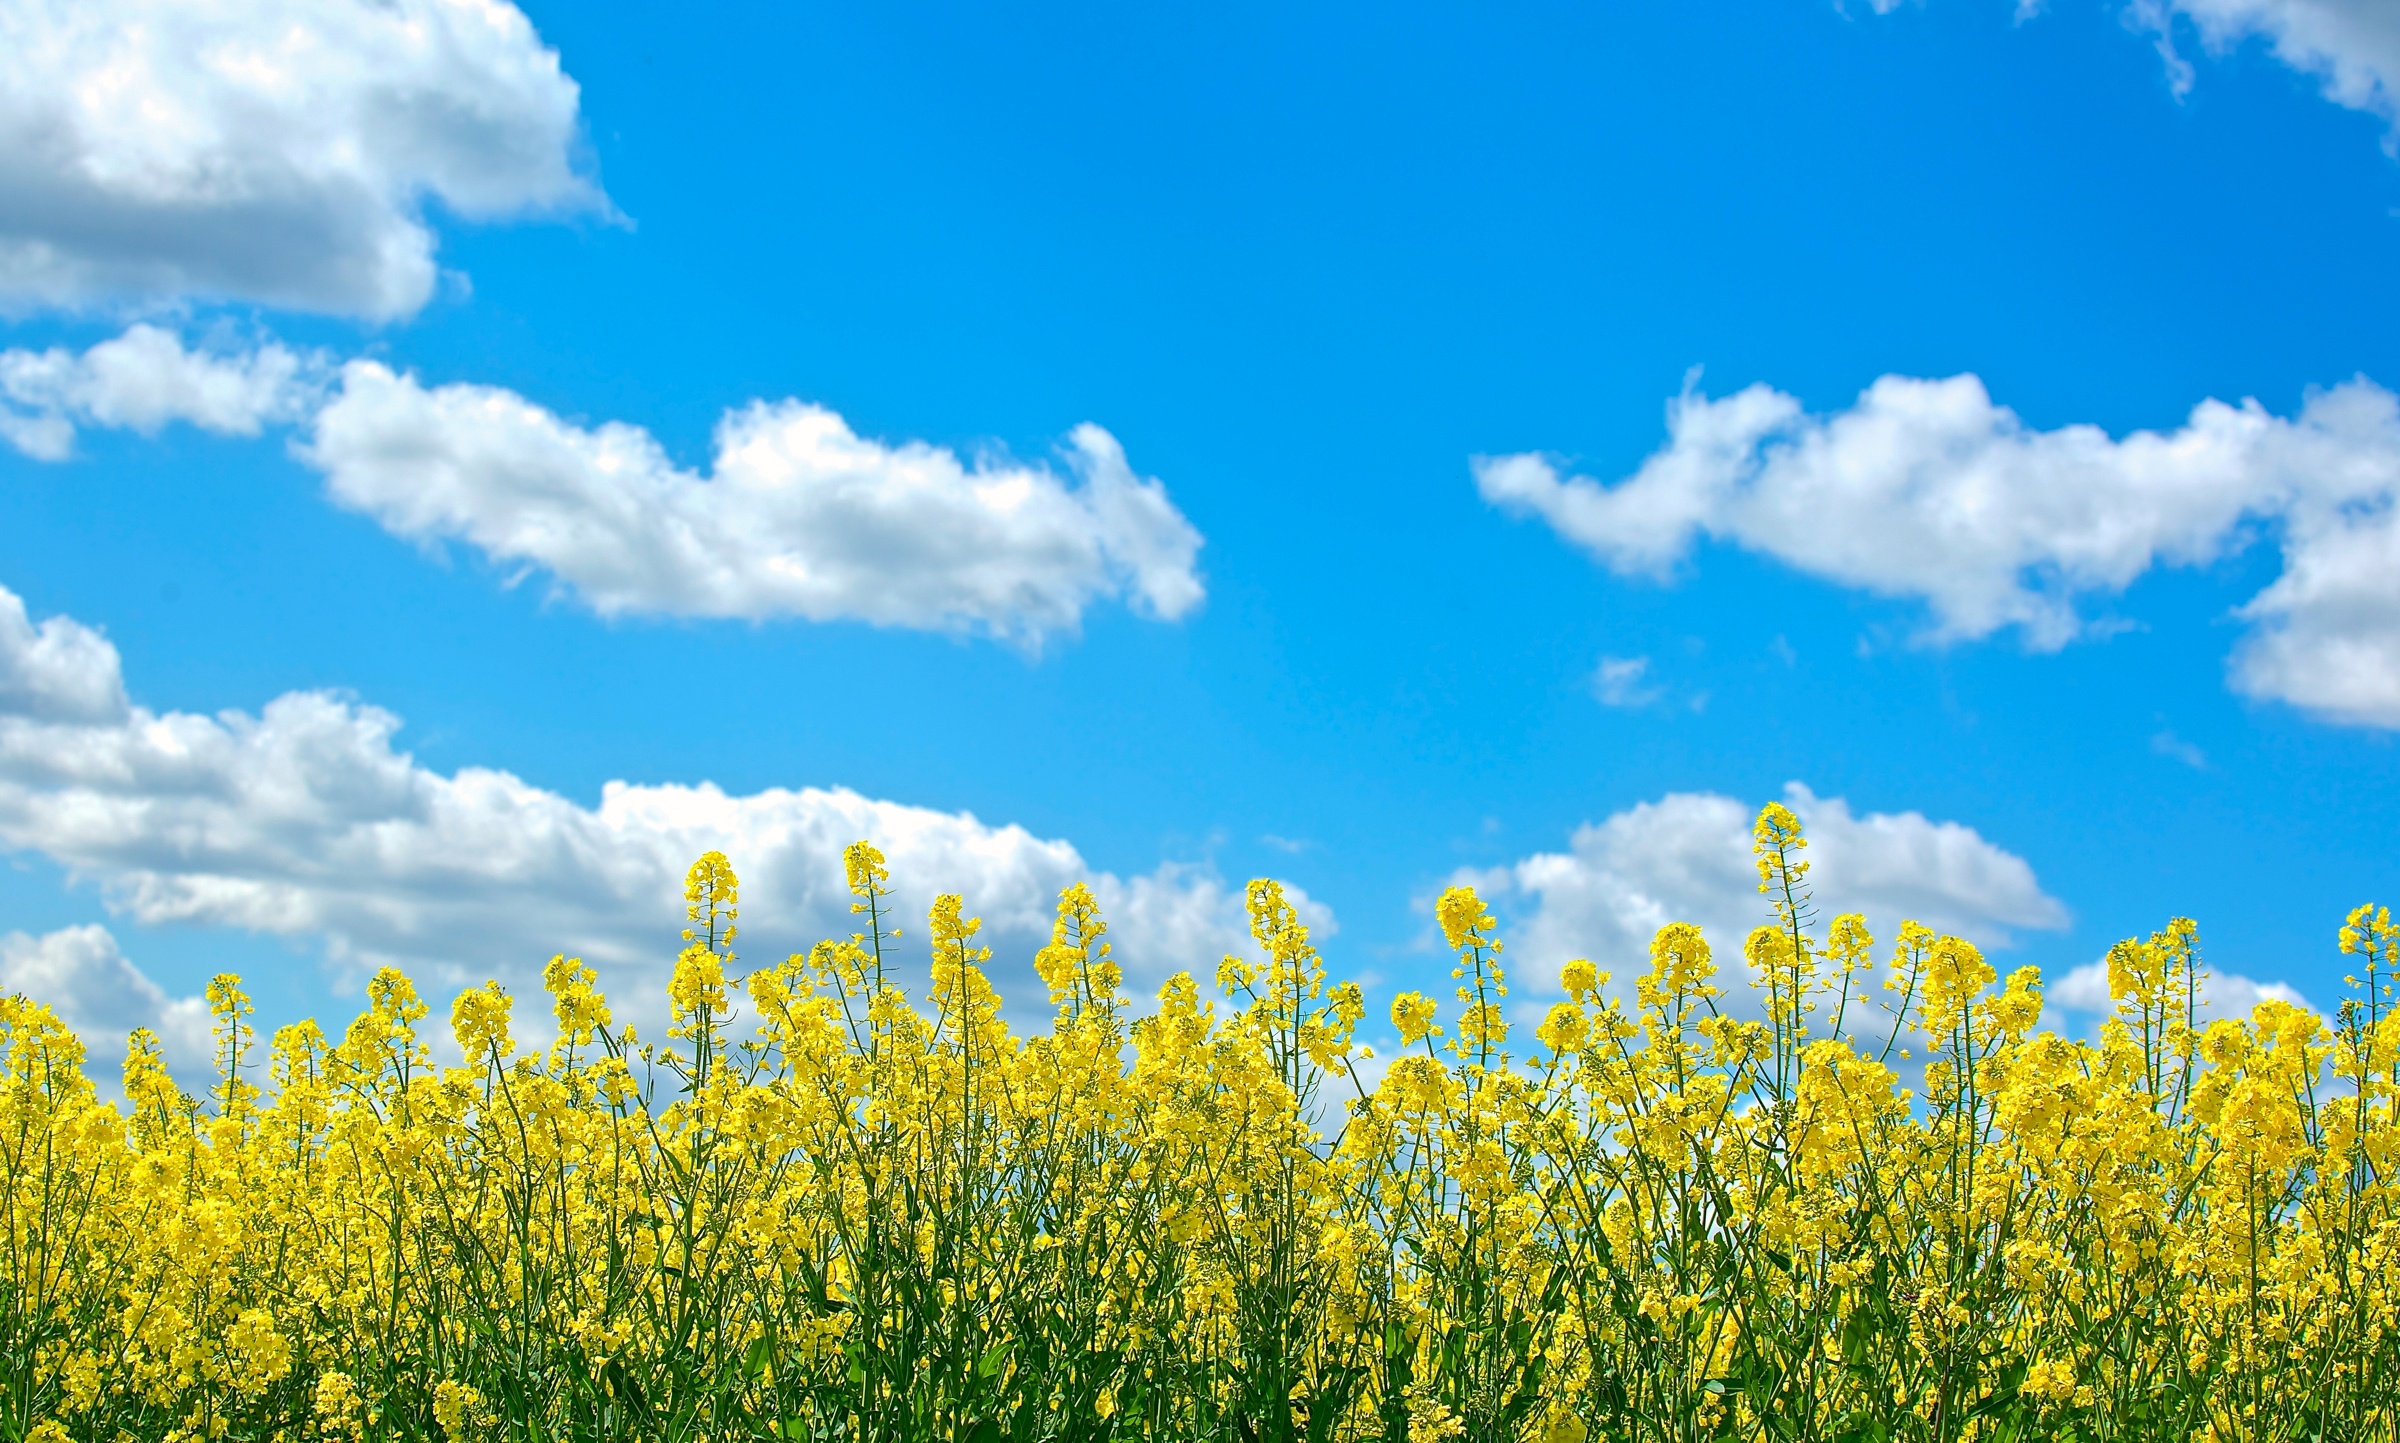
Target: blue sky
{"x": 1319, "y": 276}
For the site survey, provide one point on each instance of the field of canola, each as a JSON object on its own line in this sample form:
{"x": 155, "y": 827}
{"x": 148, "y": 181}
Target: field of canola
{"x": 1858, "y": 1196}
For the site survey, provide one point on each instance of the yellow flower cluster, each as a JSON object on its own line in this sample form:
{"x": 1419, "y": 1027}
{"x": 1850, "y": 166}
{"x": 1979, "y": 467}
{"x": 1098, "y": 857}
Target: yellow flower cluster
{"x": 1805, "y": 1208}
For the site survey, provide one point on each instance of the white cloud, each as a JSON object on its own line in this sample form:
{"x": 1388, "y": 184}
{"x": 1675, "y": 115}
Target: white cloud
{"x": 1183, "y": 917}
{"x": 303, "y": 821}
{"x": 2351, "y": 47}
{"x": 2167, "y": 744}
{"x": 143, "y": 380}
{"x": 1687, "y": 858}
{"x": 1927, "y": 490}
{"x": 59, "y": 671}
{"x": 2327, "y": 632}
{"x": 801, "y": 517}
{"x": 279, "y": 151}
{"x": 80, "y": 975}
{"x": 1622, "y": 681}
{"x": 2083, "y": 994}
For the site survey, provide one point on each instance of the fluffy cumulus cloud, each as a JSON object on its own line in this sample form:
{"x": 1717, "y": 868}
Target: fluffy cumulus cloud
{"x": 144, "y": 380}
{"x": 2326, "y": 633}
{"x": 1687, "y": 858}
{"x": 1928, "y": 490}
{"x": 79, "y": 973}
{"x": 280, "y": 151}
{"x": 59, "y": 672}
{"x": 2352, "y": 47}
{"x": 305, "y": 821}
{"x": 800, "y": 516}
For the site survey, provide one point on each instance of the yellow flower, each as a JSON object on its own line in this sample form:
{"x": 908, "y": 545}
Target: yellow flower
{"x": 1462, "y": 916}
{"x": 479, "y": 1020}
{"x": 1776, "y": 841}
{"x": 1955, "y": 975}
{"x": 863, "y": 866}
{"x": 339, "y": 1408}
{"x": 1177, "y": 1200}
{"x": 1680, "y": 966}
{"x": 575, "y": 998}
{"x": 458, "y": 1409}
{"x": 1430, "y": 1420}
{"x": 1565, "y": 1030}
{"x": 697, "y": 989}
{"x": 1563, "y": 1426}
{"x": 1579, "y": 978}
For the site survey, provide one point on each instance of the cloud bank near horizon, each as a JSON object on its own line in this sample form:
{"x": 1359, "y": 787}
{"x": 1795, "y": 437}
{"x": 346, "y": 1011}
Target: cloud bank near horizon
{"x": 305, "y": 821}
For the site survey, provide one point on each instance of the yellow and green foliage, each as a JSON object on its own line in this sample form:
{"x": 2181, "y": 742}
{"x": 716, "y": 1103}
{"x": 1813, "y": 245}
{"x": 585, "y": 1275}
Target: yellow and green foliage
{"x": 1859, "y": 1200}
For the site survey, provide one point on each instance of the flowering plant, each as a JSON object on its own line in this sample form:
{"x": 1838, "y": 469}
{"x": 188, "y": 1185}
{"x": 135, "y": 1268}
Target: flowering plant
{"x": 1685, "y": 1211}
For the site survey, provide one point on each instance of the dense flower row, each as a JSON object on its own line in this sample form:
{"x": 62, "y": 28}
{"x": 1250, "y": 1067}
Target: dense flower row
{"x": 1673, "y": 1215}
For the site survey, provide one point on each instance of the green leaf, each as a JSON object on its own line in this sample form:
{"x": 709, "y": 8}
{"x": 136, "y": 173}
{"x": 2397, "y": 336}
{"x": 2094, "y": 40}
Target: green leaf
{"x": 993, "y": 1360}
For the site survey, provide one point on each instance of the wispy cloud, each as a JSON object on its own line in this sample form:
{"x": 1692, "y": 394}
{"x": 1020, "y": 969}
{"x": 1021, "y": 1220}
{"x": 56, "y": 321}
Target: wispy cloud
{"x": 1621, "y": 681}
{"x": 800, "y": 516}
{"x": 2350, "y": 47}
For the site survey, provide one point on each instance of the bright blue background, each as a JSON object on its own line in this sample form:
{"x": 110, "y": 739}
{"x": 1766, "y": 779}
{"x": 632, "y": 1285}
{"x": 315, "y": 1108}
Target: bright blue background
{"x": 1304, "y": 266}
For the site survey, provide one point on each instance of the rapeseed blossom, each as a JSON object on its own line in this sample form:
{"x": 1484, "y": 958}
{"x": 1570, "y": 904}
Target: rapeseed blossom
{"x": 1763, "y": 1199}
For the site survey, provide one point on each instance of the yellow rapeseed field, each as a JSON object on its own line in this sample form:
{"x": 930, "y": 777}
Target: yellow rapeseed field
{"x": 1864, "y": 1199}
